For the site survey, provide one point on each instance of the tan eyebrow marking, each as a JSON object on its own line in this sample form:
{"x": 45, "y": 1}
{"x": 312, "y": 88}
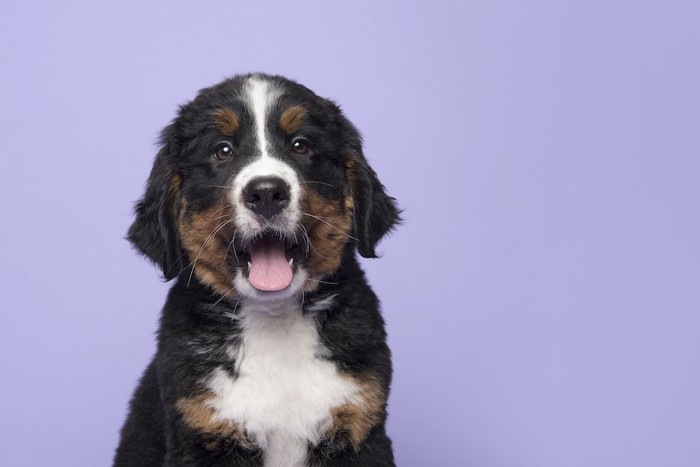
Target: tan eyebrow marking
{"x": 226, "y": 121}
{"x": 292, "y": 118}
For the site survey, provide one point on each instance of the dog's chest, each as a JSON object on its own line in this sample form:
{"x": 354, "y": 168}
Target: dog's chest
{"x": 284, "y": 390}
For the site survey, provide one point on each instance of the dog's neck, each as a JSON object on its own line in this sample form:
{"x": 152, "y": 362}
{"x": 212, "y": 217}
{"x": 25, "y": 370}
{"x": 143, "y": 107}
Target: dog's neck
{"x": 273, "y": 307}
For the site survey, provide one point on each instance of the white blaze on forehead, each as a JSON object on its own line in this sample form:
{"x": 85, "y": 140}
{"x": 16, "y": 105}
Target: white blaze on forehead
{"x": 261, "y": 97}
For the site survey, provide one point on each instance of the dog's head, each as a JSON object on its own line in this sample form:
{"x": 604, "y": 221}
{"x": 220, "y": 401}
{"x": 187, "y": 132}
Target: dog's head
{"x": 259, "y": 185}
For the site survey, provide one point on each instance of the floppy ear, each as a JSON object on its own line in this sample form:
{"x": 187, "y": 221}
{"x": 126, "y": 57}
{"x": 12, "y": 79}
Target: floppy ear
{"x": 154, "y": 232}
{"x": 375, "y": 212}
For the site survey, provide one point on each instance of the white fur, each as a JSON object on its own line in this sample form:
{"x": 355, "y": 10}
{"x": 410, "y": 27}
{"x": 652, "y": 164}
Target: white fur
{"x": 285, "y": 389}
{"x": 320, "y": 305}
{"x": 261, "y": 97}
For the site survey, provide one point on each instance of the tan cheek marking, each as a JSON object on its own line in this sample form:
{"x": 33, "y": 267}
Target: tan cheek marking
{"x": 349, "y": 203}
{"x": 351, "y": 423}
{"x": 292, "y": 118}
{"x": 329, "y": 235}
{"x": 199, "y": 416}
{"x": 174, "y": 185}
{"x": 226, "y": 121}
{"x": 350, "y": 170}
{"x": 208, "y": 250}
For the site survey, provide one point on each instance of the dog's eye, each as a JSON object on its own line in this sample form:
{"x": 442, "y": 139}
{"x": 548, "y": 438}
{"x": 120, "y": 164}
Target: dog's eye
{"x": 223, "y": 152}
{"x": 300, "y": 146}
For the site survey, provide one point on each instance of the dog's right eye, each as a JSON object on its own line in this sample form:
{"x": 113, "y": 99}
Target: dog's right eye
{"x": 223, "y": 152}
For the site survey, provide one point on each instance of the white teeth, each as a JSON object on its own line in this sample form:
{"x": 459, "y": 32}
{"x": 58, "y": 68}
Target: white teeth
{"x": 249, "y": 265}
{"x": 291, "y": 261}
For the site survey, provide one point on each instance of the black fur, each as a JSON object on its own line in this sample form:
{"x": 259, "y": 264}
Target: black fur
{"x": 153, "y": 232}
{"x": 196, "y": 325}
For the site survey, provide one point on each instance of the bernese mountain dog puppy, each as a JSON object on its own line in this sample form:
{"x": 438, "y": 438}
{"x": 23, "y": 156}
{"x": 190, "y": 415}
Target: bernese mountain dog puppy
{"x": 271, "y": 348}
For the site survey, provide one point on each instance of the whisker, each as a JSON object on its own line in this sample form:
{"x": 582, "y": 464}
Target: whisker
{"x": 224, "y": 296}
{"x": 215, "y": 212}
{"x": 317, "y": 252}
{"x": 201, "y": 249}
{"x": 230, "y": 244}
{"x": 305, "y": 235}
{"x": 225, "y": 206}
{"x": 184, "y": 254}
{"x": 235, "y": 307}
{"x": 223, "y": 216}
{"x": 322, "y": 282}
{"x": 319, "y": 183}
{"x": 331, "y": 225}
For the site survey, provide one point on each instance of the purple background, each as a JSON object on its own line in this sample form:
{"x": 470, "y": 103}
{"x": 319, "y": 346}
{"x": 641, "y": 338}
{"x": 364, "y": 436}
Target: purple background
{"x": 542, "y": 297}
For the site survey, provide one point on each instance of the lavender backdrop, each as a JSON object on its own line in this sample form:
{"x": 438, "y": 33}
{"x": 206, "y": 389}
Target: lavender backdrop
{"x": 543, "y": 295}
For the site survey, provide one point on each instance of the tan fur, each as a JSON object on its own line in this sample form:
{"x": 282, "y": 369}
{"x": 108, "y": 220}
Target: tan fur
{"x": 174, "y": 186}
{"x": 352, "y": 423}
{"x": 226, "y": 121}
{"x": 350, "y": 171}
{"x": 199, "y": 416}
{"x": 205, "y": 240}
{"x": 329, "y": 230}
{"x": 292, "y": 118}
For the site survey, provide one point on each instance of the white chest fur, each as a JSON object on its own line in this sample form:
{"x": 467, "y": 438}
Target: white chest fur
{"x": 285, "y": 391}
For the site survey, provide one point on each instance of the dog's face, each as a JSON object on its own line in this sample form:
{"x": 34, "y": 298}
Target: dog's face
{"x": 258, "y": 189}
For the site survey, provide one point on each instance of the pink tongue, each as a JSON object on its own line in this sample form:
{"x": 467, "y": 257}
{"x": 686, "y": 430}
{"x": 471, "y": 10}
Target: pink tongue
{"x": 269, "y": 269}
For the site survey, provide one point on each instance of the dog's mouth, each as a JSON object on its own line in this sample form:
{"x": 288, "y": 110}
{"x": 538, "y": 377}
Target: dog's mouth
{"x": 270, "y": 260}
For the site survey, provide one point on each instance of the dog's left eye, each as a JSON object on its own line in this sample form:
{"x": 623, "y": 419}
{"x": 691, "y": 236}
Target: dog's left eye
{"x": 223, "y": 152}
{"x": 300, "y": 146}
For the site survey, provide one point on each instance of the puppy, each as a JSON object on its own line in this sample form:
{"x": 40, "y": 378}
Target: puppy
{"x": 271, "y": 348}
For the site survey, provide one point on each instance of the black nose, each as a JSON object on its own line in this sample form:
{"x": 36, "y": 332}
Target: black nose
{"x": 266, "y": 196}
